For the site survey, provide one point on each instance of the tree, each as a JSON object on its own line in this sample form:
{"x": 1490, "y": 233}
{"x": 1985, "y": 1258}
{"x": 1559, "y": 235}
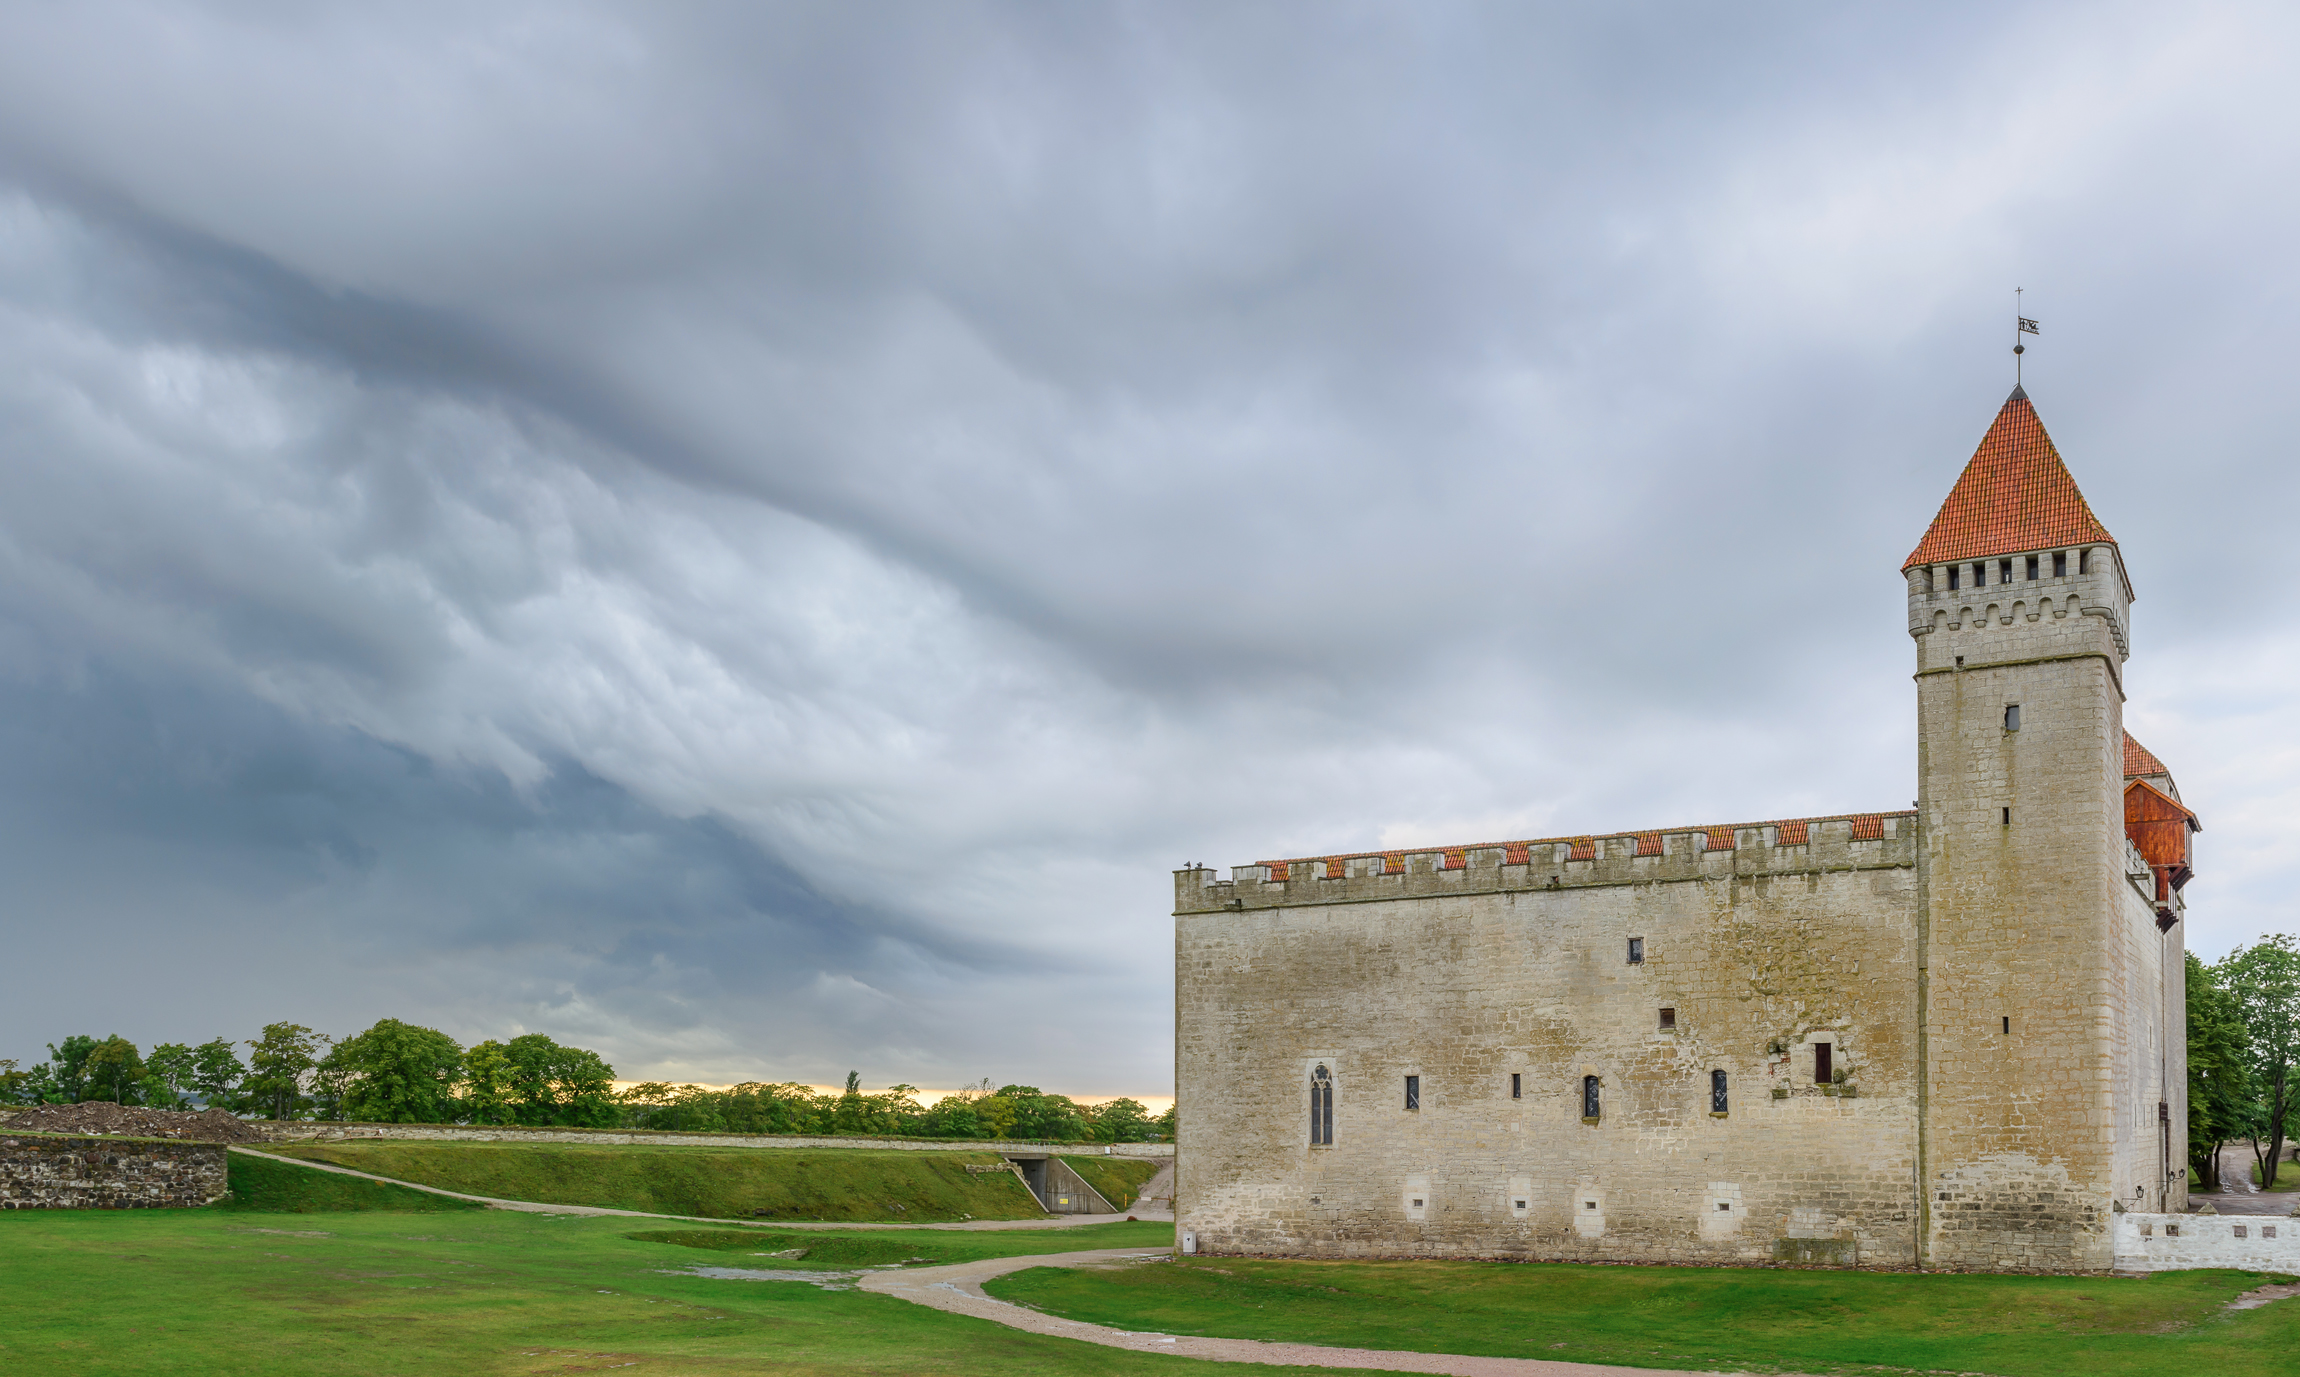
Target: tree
{"x": 278, "y": 1062}
{"x": 15, "y": 1085}
{"x": 168, "y": 1073}
{"x": 486, "y": 1084}
{"x": 66, "y": 1072}
{"x": 1039, "y": 1115}
{"x": 2219, "y": 1078}
{"x": 546, "y": 1083}
{"x": 1122, "y": 1121}
{"x": 397, "y": 1073}
{"x": 216, "y": 1072}
{"x": 112, "y": 1071}
{"x": 2264, "y": 981}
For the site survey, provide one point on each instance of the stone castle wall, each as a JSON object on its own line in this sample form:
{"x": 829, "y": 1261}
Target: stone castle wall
{"x": 45, "y": 1172}
{"x": 1474, "y": 968}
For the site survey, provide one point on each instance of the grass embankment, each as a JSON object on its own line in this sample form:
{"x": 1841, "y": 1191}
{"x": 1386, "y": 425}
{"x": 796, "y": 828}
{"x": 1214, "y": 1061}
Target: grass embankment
{"x": 186, "y": 1293}
{"x": 1119, "y": 1179}
{"x": 277, "y": 1188}
{"x": 1700, "y": 1317}
{"x": 719, "y": 1183}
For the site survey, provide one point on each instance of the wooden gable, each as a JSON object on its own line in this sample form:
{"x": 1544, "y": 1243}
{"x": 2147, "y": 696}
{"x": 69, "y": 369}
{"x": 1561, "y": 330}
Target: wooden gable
{"x": 2159, "y": 827}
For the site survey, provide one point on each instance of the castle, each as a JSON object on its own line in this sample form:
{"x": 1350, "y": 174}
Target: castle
{"x": 1950, "y": 1038}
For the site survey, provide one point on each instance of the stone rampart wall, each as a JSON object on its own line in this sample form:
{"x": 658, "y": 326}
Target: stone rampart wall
{"x": 45, "y": 1172}
{"x": 475, "y": 1133}
{"x": 2175, "y": 1242}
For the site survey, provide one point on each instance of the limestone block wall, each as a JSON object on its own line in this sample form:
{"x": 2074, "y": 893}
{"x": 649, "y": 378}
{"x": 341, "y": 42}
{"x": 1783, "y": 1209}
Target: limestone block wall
{"x": 56, "y": 1172}
{"x": 2047, "y": 1026}
{"x": 2175, "y": 1242}
{"x": 1500, "y": 986}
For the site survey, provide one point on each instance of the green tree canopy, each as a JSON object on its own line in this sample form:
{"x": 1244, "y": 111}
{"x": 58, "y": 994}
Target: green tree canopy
{"x": 113, "y": 1071}
{"x": 397, "y": 1073}
{"x": 545, "y": 1083}
{"x": 216, "y": 1071}
{"x": 2264, "y": 982}
{"x": 279, "y": 1061}
{"x": 2219, "y": 1074}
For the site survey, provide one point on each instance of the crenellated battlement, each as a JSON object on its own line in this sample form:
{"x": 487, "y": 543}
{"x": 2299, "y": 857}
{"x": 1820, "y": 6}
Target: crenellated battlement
{"x": 1783, "y": 846}
{"x": 2028, "y": 592}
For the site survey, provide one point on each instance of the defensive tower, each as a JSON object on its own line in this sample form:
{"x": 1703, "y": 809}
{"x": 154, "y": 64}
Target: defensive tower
{"x": 2038, "y": 1092}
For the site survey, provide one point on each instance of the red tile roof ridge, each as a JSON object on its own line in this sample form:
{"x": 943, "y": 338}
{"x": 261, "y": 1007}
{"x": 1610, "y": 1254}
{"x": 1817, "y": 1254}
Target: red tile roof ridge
{"x": 2139, "y": 760}
{"x": 2014, "y": 496}
{"x": 1575, "y": 837}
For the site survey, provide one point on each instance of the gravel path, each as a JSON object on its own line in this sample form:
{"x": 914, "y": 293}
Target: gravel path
{"x": 2238, "y": 1195}
{"x": 958, "y": 1289}
{"x": 1065, "y": 1221}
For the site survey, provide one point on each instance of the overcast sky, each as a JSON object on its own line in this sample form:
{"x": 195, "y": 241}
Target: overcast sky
{"x": 755, "y": 538}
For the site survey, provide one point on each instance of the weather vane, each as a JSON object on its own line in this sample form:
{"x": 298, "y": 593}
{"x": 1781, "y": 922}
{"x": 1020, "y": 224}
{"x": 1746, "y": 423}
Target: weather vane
{"x": 2022, "y": 326}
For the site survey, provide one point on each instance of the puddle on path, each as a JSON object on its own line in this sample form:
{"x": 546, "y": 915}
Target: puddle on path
{"x": 829, "y": 1281}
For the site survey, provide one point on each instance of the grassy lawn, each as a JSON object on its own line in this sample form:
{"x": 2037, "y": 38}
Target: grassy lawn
{"x": 2287, "y": 1175}
{"x": 1698, "y": 1317}
{"x": 155, "y": 1293}
{"x": 720, "y": 1183}
{"x": 1119, "y": 1179}
{"x": 275, "y": 1188}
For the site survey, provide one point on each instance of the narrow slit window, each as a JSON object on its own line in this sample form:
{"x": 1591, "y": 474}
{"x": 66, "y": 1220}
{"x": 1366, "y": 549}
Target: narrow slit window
{"x": 1516, "y": 1085}
{"x": 2008, "y": 817}
{"x": 1823, "y": 1070}
{"x": 1668, "y": 1018}
{"x": 1589, "y": 1101}
{"x": 1928, "y": 578}
{"x": 2004, "y": 571}
{"x": 2060, "y": 564}
{"x": 2032, "y": 568}
{"x": 2084, "y": 561}
{"x": 2008, "y": 1025}
{"x": 1413, "y": 1092}
{"x": 1321, "y": 1108}
{"x": 1636, "y": 951}
{"x": 1717, "y": 1096}
{"x": 2012, "y": 717}
{"x": 1980, "y": 574}
{"x": 1955, "y": 576}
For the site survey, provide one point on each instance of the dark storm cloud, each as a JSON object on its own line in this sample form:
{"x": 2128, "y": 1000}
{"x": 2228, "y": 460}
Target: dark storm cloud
{"x": 756, "y": 535}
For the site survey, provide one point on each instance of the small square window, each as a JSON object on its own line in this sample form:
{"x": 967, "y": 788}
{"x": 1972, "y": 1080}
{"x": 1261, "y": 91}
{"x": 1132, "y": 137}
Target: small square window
{"x": 1521, "y": 1204}
{"x": 2240, "y": 1231}
{"x": 1668, "y": 1018}
{"x": 2268, "y": 1231}
{"x": 1413, "y": 1092}
{"x": 1636, "y": 951}
{"x": 1589, "y": 1204}
{"x": 2012, "y": 717}
{"x": 1724, "y": 1204}
{"x": 2172, "y": 1231}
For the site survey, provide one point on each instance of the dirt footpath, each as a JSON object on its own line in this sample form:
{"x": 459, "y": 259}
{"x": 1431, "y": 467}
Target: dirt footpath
{"x": 958, "y": 1289}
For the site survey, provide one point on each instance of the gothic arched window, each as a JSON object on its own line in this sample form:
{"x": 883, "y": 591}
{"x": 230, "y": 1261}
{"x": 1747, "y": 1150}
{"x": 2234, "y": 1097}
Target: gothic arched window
{"x": 1321, "y": 1108}
{"x": 1589, "y": 1100}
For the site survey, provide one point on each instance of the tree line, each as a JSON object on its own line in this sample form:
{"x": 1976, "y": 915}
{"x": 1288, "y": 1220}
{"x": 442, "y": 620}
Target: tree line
{"x": 398, "y": 1072}
{"x": 2243, "y": 1055}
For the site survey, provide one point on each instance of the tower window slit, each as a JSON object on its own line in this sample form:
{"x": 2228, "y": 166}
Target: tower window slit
{"x": 1955, "y": 570}
{"x": 1516, "y": 1085}
{"x": 2004, "y": 571}
{"x": 2012, "y": 717}
{"x": 1636, "y": 951}
{"x": 2008, "y": 1025}
{"x": 1413, "y": 1092}
{"x": 1668, "y": 1018}
{"x": 2060, "y": 564}
{"x": 2084, "y": 561}
{"x": 1717, "y": 1097}
{"x": 2008, "y": 817}
{"x": 1589, "y": 1101}
{"x": 2032, "y": 567}
{"x": 1822, "y": 1057}
{"x": 1321, "y": 1108}
{"x": 1980, "y": 573}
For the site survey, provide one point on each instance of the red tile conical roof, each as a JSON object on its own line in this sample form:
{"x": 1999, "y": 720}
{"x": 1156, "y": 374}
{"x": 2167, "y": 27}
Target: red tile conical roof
{"x": 2014, "y": 496}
